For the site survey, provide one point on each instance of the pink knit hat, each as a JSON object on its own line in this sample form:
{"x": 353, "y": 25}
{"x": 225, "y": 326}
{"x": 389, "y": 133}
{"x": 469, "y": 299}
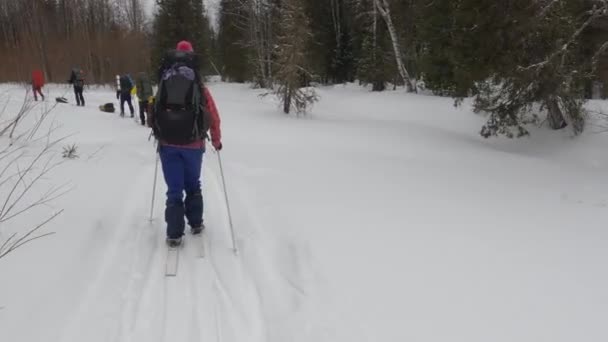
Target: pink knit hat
{"x": 184, "y": 45}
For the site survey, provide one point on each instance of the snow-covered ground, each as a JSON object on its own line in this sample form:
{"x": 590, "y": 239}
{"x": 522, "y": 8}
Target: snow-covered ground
{"x": 381, "y": 217}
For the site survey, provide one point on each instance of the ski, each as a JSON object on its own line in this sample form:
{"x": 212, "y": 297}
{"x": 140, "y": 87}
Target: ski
{"x": 172, "y": 261}
{"x": 200, "y": 242}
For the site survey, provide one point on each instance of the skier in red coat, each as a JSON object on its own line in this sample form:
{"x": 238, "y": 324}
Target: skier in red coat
{"x": 182, "y": 140}
{"x": 37, "y": 84}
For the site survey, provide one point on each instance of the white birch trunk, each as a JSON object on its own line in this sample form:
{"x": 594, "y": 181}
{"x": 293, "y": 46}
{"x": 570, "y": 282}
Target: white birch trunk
{"x": 384, "y": 10}
{"x": 257, "y": 29}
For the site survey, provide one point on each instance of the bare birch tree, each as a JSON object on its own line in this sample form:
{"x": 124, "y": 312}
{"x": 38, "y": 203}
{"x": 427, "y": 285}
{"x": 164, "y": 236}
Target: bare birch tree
{"x": 384, "y": 10}
{"x": 133, "y": 10}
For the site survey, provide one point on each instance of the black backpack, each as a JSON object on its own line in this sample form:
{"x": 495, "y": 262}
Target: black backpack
{"x": 108, "y": 108}
{"x": 78, "y": 77}
{"x": 180, "y": 109}
{"x": 125, "y": 84}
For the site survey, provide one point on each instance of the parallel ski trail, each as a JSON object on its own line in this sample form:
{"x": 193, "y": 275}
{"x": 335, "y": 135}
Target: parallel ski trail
{"x": 146, "y": 322}
{"x": 211, "y": 299}
{"x": 238, "y": 310}
{"x": 185, "y": 298}
{"x": 206, "y": 294}
{"x": 181, "y": 300}
{"x": 172, "y": 262}
{"x": 112, "y": 278}
{"x": 141, "y": 272}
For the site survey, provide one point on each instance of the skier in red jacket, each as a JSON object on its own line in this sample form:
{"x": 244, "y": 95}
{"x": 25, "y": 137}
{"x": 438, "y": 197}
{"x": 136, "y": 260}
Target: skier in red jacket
{"x": 181, "y": 132}
{"x": 37, "y": 84}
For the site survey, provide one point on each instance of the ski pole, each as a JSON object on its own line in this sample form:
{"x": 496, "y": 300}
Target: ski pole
{"x": 154, "y": 185}
{"x": 219, "y": 158}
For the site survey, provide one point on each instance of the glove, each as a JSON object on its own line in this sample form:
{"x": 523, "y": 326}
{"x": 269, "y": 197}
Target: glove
{"x": 218, "y": 146}
{"x": 117, "y": 94}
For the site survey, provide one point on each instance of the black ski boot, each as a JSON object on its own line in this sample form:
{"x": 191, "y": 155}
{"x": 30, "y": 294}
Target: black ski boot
{"x": 174, "y": 243}
{"x": 197, "y": 229}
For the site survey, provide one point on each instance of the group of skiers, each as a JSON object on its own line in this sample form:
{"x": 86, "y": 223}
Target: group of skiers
{"x": 126, "y": 87}
{"x": 76, "y": 79}
{"x": 181, "y": 113}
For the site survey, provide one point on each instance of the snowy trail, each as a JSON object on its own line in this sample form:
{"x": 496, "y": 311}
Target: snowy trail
{"x": 210, "y": 299}
{"x": 126, "y": 262}
{"x": 123, "y": 295}
{"x": 126, "y": 297}
{"x": 382, "y": 217}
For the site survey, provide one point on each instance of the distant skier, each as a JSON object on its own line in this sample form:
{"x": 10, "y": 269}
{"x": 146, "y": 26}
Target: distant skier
{"x": 77, "y": 80}
{"x": 117, "y": 87}
{"x": 144, "y": 92}
{"x": 37, "y": 84}
{"x": 182, "y": 113}
{"x": 124, "y": 93}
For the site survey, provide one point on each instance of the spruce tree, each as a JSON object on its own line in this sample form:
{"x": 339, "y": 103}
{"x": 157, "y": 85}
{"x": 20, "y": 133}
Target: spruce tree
{"x": 292, "y": 73}
{"x": 375, "y": 61}
{"x": 232, "y": 47}
{"x": 177, "y": 20}
{"x": 332, "y": 50}
{"x": 548, "y": 67}
{"x": 512, "y": 55}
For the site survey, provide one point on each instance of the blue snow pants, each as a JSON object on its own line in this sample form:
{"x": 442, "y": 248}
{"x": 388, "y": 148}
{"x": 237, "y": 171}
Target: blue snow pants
{"x": 182, "y": 171}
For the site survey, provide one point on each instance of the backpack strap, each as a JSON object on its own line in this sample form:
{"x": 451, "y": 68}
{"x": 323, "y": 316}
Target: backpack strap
{"x": 155, "y": 109}
{"x": 196, "y": 103}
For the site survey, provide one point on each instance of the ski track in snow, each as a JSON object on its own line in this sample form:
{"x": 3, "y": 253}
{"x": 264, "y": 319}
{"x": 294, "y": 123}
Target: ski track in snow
{"x": 369, "y": 222}
{"x": 129, "y": 299}
{"x": 204, "y": 302}
{"x": 128, "y": 264}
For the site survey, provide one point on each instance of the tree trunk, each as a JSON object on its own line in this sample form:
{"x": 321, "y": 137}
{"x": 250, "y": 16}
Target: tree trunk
{"x": 384, "y": 10}
{"x": 336, "y": 19}
{"x": 286, "y": 100}
{"x": 554, "y": 114}
{"x": 257, "y": 29}
{"x": 269, "y": 47}
{"x": 378, "y": 86}
{"x": 42, "y": 46}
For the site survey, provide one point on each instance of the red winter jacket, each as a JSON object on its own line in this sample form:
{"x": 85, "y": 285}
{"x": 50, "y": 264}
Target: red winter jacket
{"x": 214, "y": 128}
{"x": 37, "y": 79}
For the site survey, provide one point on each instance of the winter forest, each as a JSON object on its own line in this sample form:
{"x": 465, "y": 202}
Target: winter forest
{"x": 516, "y": 58}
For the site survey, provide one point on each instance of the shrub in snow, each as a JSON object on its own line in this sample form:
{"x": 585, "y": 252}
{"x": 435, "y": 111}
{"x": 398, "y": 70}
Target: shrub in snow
{"x": 70, "y": 151}
{"x": 25, "y": 161}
